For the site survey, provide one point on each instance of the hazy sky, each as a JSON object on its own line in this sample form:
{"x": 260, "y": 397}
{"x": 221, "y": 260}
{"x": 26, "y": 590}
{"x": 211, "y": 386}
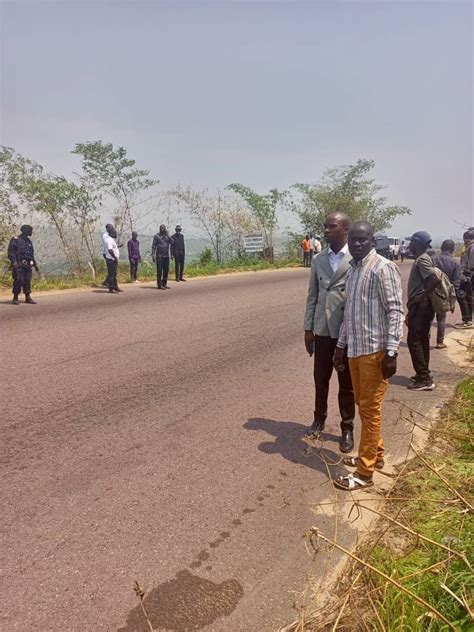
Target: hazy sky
{"x": 264, "y": 93}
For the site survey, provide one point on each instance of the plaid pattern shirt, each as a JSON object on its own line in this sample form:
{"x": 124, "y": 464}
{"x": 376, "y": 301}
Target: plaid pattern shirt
{"x": 373, "y": 315}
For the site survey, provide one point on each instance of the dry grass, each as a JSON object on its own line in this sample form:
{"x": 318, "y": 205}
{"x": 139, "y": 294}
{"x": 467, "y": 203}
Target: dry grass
{"x": 414, "y": 572}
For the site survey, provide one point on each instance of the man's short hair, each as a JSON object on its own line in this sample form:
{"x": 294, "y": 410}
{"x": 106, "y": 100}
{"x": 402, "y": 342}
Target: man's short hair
{"x": 364, "y": 225}
{"x": 343, "y": 216}
{"x": 469, "y": 234}
{"x": 448, "y": 245}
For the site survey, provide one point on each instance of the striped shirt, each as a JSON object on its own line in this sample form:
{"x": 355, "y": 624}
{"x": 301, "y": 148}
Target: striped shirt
{"x": 373, "y": 315}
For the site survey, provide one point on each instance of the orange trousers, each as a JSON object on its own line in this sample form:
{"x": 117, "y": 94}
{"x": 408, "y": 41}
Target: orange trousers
{"x": 369, "y": 390}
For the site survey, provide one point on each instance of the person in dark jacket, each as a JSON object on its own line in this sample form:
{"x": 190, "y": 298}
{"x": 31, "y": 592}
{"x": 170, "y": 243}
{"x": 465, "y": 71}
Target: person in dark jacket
{"x": 467, "y": 281}
{"x": 422, "y": 282}
{"x": 21, "y": 255}
{"x": 178, "y": 252}
{"x": 134, "y": 256}
{"x": 452, "y": 269}
{"x": 160, "y": 253}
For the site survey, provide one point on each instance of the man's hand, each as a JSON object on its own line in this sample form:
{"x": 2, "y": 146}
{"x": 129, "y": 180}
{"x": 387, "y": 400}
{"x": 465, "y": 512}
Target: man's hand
{"x": 309, "y": 341}
{"x": 153, "y": 259}
{"x": 389, "y": 367}
{"x": 14, "y": 265}
{"x": 338, "y": 359}
{"x": 36, "y": 268}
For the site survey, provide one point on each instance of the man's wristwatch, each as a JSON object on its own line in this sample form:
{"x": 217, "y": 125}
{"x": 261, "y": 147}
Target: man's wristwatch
{"x": 392, "y": 354}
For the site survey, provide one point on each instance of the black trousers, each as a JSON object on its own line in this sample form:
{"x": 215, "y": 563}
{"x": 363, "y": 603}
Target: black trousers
{"x": 111, "y": 274}
{"x": 324, "y": 348}
{"x": 133, "y": 269}
{"x": 162, "y": 271}
{"x": 21, "y": 280}
{"x": 420, "y": 317}
{"x": 306, "y": 260}
{"x": 179, "y": 265}
{"x": 465, "y": 301}
{"x": 106, "y": 280}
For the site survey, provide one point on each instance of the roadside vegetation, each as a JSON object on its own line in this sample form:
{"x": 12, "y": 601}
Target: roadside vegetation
{"x": 440, "y": 572}
{"x": 415, "y": 571}
{"x": 207, "y": 266}
{"x": 108, "y": 186}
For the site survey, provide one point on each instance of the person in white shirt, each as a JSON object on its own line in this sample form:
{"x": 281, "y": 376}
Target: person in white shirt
{"x": 311, "y": 246}
{"x": 111, "y": 255}
{"x": 314, "y": 245}
{"x": 323, "y": 318}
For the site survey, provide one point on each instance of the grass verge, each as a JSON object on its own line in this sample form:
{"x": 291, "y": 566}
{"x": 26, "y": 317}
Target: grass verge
{"x": 437, "y": 575}
{"x": 147, "y": 272}
{"x": 415, "y": 571}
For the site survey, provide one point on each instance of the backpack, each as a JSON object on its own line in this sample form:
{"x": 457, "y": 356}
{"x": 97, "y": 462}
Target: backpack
{"x": 443, "y": 298}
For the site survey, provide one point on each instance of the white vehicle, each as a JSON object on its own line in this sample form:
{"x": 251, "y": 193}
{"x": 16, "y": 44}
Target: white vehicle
{"x": 394, "y": 243}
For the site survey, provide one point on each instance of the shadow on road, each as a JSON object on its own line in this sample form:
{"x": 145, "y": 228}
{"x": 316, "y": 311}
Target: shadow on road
{"x": 186, "y": 602}
{"x": 400, "y": 380}
{"x": 290, "y": 445}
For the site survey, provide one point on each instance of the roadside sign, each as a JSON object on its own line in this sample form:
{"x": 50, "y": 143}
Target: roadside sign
{"x": 253, "y": 242}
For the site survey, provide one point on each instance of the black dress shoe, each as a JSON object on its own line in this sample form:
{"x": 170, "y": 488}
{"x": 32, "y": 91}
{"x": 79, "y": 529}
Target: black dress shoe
{"x": 316, "y": 429}
{"x": 347, "y": 441}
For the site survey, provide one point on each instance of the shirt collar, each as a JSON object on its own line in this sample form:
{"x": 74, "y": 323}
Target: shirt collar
{"x": 342, "y": 251}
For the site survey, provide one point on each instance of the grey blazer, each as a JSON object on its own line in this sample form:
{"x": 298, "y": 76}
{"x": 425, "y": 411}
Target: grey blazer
{"x": 326, "y": 295}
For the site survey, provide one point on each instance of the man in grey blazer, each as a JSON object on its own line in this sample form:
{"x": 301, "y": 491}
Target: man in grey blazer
{"x": 322, "y": 321}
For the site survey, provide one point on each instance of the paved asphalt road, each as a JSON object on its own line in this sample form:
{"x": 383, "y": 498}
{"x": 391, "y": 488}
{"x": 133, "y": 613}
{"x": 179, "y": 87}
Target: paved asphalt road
{"x": 155, "y": 436}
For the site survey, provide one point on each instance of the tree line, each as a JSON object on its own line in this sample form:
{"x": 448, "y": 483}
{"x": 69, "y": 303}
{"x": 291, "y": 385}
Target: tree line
{"x": 109, "y": 183}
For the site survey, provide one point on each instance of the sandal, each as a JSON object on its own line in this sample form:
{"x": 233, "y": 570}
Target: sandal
{"x": 352, "y": 482}
{"x": 353, "y": 461}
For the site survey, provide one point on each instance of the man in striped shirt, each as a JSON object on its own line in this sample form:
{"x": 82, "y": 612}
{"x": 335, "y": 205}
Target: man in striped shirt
{"x": 371, "y": 330}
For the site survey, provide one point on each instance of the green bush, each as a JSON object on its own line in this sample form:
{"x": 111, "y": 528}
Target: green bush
{"x": 206, "y": 257}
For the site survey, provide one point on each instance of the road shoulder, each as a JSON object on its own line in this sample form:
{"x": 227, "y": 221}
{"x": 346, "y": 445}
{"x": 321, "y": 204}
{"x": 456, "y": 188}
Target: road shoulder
{"x": 355, "y": 518}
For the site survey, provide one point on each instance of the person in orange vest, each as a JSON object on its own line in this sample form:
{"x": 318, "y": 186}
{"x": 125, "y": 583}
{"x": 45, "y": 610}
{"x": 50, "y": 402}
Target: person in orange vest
{"x": 306, "y": 245}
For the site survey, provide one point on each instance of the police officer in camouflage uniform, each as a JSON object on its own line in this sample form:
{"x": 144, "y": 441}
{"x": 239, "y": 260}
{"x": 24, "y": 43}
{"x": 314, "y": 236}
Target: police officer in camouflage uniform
{"x": 22, "y": 260}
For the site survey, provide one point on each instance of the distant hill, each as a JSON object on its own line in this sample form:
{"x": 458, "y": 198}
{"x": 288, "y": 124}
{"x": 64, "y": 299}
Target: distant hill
{"x": 49, "y": 251}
